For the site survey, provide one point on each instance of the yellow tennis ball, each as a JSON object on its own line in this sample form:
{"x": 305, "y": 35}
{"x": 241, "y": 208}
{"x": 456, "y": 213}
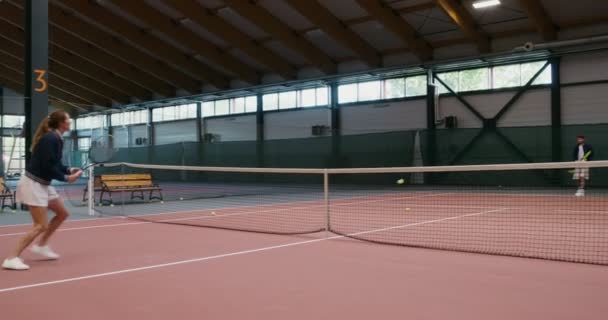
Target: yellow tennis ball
{"x": 401, "y": 181}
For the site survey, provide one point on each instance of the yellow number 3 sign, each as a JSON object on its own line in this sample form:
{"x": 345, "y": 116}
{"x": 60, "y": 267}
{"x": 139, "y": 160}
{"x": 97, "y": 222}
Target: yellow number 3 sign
{"x": 40, "y": 78}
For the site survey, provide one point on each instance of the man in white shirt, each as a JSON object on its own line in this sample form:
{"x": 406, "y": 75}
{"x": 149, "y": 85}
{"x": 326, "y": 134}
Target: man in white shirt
{"x": 581, "y": 152}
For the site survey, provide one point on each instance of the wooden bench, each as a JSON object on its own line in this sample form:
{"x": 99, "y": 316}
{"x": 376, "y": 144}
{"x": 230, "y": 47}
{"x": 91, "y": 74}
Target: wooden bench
{"x": 134, "y": 183}
{"x": 96, "y": 188}
{"x": 6, "y": 193}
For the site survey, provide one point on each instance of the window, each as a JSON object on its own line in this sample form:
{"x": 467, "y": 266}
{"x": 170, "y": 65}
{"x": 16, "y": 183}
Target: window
{"x": 12, "y": 121}
{"x": 91, "y": 122}
{"x": 270, "y": 101}
{"x": 222, "y": 107}
{"x": 157, "y": 114}
{"x": 394, "y": 88}
{"x": 506, "y": 76}
{"x": 347, "y": 93}
{"x": 528, "y": 70}
{"x": 313, "y": 97}
{"x": 322, "y": 96}
{"x": 517, "y": 75}
{"x": 251, "y": 104}
{"x": 415, "y": 86}
{"x": 303, "y": 98}
{"x": 450, "y": 79}
{"x": 228, "y": 106}
{"x": 187, "y": 111}
{"x": 84, "y": 143}
{"x": 13, "y": 154}
{"x": 116, "y": 119}
{"x": 369, "y": 91}
{"x": 140, "y": 116}
{"x": 239, "y": 105}
{"x": 473, "y": 79}
{"x": 287, "y": 100}
{"x": 132, "y": 117}
{"x": 208, "y": 109}
{"x": 308, "y": 97}
{"x": 163, "y": 114}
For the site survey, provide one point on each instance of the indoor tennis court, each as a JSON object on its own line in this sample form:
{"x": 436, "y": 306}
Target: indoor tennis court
{"x": 304, "y": 159}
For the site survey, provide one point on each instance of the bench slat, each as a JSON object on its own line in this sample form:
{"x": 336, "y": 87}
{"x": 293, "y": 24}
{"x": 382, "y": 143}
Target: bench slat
{"x": 126, "y": 177}
{"x": 129, "y": 183}
{"x": 126, "y": 189}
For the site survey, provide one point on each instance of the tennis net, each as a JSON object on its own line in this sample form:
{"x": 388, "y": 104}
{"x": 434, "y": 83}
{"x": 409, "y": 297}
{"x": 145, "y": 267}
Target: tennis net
{"x": 523, "y": 210}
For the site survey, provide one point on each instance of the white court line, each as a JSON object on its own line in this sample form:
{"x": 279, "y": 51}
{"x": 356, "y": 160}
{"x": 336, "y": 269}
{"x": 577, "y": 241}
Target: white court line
{"x": 237, "y": 253}
{"x": 220, "y": 215}
{"x": 228, "y": 208}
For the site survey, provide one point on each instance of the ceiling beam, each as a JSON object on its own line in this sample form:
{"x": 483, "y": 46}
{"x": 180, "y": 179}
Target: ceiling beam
{"x": 87, "y": 82}
{"x": 463, "y": 19}
{"x": 340, "y": 32}
{"x": 417, "y": 7}
{"x": 537, "y": 14}
{"x": 392, "y": 21}
{"x": 174, "y": 29}
{"x": 282, "y": 32}
{"x": 175, "y": 67}
{"x": 300, "y": 33}
{"x": 11, "y": 84}
{"x": 108, "y": 78}
{"x": 587, "y": 21}
{"x": 76, "y": 90}
{"x": 11, "y": 19}
{"x": 102, "y": 58}
{"x": 404, "y": 10}
{"x": 189, "y": 66}
{"x": 238, "y": 39}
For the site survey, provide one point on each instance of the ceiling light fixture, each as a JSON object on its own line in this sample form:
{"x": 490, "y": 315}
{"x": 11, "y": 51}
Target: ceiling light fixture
{"x": 485, "y": 3}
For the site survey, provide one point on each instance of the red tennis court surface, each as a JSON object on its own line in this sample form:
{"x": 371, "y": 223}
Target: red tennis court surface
{"x": 121, "y": 268}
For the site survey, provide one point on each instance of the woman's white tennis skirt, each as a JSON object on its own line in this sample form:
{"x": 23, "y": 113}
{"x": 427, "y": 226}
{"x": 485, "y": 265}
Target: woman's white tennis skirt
{"x": 34, "y": 193}
{"x": 581, "y": 173}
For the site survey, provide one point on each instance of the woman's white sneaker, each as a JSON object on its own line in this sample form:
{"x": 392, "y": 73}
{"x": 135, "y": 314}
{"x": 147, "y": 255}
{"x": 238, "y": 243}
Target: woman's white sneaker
{"x": 45, "y": 251}
{"x": 15, "y": 264}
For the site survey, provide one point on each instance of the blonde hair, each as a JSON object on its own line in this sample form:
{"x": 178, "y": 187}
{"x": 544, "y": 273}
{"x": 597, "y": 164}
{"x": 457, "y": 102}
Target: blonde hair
{"x": 49, "y": 123}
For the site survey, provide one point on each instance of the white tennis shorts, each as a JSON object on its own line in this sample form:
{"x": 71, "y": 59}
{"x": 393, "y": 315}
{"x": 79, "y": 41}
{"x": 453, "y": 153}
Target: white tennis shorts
{"x": 34, "y": 193}
{"x": 581, "y": 173}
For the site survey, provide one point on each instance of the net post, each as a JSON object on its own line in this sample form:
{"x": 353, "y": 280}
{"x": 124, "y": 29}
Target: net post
{"x": 91, "y": 190}
{"x": 326, "y": 195}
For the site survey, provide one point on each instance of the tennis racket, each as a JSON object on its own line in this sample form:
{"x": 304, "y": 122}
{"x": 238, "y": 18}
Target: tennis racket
{"x": 585, "y": 156}
{"x": 101, "y": 151}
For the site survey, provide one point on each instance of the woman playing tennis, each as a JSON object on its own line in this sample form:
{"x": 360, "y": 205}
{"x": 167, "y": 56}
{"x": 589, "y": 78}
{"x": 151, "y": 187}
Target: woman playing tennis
{"x": 35, "y": 190}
